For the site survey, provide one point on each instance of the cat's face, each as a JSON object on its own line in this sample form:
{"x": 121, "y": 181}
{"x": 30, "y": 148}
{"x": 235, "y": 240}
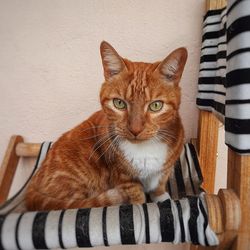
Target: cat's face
{"x": 141, "y": 99}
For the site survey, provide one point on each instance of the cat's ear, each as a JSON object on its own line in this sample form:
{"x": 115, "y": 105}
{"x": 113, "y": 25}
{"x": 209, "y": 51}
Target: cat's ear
{"x": 113, "y": 64}
{"x": 173, "y": 65}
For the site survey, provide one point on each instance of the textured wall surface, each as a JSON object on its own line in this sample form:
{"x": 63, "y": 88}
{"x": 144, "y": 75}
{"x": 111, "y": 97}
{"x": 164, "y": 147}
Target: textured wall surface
{"x": 50, "y": 68}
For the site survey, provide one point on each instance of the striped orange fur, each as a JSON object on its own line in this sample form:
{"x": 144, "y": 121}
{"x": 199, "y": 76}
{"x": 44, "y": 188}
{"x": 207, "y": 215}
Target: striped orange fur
{"x": 123, "y": 150}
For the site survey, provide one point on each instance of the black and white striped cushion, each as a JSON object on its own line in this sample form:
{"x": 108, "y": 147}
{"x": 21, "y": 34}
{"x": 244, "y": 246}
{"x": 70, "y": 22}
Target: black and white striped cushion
{"x": 180, "y": 220}
{"x": 224, "y": 79}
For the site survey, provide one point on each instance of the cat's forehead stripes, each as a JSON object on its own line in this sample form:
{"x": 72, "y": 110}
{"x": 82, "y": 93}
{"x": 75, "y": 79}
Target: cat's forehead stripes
{"x": 138, "y": 86}
{"x": 139, "y": 81}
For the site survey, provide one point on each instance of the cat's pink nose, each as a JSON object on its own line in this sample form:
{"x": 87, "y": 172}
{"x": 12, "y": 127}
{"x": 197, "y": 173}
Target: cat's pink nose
{"x": 135, "y": 130}
{"x": 136, "y": 123}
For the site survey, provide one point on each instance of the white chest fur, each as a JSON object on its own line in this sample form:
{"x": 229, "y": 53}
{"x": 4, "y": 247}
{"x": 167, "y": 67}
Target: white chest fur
{"x": 147, "y": 158}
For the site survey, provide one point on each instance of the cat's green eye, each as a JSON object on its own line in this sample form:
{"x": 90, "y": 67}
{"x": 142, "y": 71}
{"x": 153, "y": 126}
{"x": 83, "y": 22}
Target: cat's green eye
{"x": 155, "y": 106}
{"x": 119, "y": 104}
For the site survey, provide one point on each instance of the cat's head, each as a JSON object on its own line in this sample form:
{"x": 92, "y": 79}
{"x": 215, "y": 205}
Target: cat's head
{"x": 141, "y": 99}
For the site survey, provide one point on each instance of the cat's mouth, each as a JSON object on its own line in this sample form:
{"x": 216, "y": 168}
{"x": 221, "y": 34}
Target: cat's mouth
{"x": 139, "y": 139}
{"x": 136, "y": 140}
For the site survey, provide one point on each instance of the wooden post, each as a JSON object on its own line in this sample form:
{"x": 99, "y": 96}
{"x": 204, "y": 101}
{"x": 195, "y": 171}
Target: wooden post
{"x": 8, "y": 167}
{"x": 238, "y": 178}
{"x": 207, "y": 142}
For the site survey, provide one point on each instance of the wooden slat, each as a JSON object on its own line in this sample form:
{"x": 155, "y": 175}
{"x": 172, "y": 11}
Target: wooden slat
{"x": 8, "y": 167}
{"x": 207, "y": 142}
{"x": 215, "y": 4}
{"x": 28, "y": 149}
{"x": 238, "y": 178}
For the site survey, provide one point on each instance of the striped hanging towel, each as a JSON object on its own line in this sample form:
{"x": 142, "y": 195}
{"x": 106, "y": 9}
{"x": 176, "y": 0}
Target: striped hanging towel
{"x": 224, "y": 79}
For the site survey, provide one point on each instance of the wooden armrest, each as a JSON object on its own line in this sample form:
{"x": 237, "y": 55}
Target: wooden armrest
{"x": 8, "y": 167}
{"x": 16, "y": 149}
{"x": 25, "y": 149}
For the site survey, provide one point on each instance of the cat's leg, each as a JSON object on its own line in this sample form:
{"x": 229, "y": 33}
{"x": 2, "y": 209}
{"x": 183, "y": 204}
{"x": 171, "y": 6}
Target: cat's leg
{"x": 160, "y": 194}
{"x": 125, "y": 193}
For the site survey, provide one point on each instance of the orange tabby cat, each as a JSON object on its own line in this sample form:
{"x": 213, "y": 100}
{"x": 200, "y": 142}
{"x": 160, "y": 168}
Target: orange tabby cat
{"x": 123, "y": 150}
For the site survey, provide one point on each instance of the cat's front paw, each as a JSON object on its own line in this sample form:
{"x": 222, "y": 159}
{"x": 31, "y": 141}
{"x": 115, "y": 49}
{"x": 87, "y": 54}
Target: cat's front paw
{"x": 132, "y": 193}
{"x": 137, "y": 198}
{"x": 160, "y": 198}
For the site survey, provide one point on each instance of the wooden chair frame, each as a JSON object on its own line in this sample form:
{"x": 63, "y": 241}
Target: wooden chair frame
{"x": 238, "y": 166}
{"x": 238, "y": 177}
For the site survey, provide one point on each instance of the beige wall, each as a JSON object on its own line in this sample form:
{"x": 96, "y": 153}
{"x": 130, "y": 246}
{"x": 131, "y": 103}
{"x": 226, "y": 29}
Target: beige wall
{"x": 221, "y": 166}
{"x": 50, "y": 68}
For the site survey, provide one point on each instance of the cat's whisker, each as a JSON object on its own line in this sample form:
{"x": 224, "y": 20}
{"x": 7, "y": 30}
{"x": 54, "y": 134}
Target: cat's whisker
{"x": 169, "y": 135}
{"x": 156, "y": 139}
{"x": 106, "y": 135}
{"x": 166, "y": 134}
{"x": 111, "y": 153}
{"x": 164, "y": 138}
{"x": 107, "y": 138}
{"x": 170, "y": 150}
{"x": 94, "y": 127}
{"x": 99, "y": 143}
{"x": 115, "y": 146}
{"x": 165, "y": 131}
{"x": 105, "y": 151}
{"x": 94, "y": 136}
{"x": 113, "y": 149}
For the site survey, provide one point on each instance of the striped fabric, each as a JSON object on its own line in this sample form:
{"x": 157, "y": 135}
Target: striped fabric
{"x": 224, "y": 79}
{"x": 186, "y": 177}
{"x": 176, "y": 221}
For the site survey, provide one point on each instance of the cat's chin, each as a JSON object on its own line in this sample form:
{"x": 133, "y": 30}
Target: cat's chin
{"x": 137, "y": 140}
